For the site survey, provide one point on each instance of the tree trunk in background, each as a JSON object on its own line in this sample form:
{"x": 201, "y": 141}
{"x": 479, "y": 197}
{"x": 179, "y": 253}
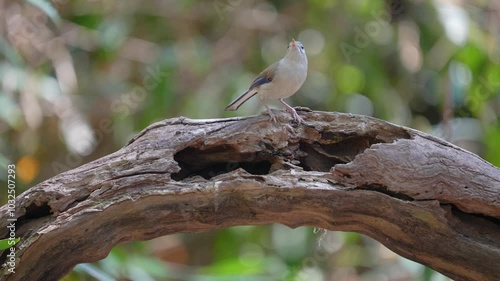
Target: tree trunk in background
{"x": 423, "y": 198}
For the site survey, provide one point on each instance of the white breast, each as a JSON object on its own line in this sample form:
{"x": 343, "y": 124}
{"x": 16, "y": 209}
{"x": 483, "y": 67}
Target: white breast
{"x": 289, "y": 77}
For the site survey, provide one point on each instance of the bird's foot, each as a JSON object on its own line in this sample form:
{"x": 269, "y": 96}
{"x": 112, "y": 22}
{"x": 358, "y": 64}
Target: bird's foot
{"x": 272, "y": 117}
{"x": 292, "y": 111}
{"x": 296, "y": 117}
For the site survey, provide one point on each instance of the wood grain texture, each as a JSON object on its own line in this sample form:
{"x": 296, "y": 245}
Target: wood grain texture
{"x": 422, "y": 197}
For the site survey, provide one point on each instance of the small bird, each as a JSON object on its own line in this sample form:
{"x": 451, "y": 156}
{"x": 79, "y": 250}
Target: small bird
{"x": 280, "y": 80}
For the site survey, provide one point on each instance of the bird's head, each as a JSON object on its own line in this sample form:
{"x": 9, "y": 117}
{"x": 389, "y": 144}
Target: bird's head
{"x": 296, "y": 51}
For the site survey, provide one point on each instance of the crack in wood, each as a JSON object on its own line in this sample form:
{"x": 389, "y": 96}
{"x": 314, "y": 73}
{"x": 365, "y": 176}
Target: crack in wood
{"x": 386, "y": 190}
{"x": 219, "y": 156}
{"x": 138, "y": 174}
{"x": 336, "y": 171}
{"x": 36, "y": 210}
{"x": 217, "y": 160}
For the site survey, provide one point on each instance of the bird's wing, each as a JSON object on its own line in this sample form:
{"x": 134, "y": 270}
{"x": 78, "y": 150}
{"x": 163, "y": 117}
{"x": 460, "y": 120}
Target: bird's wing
{"x": 266, "y": 76}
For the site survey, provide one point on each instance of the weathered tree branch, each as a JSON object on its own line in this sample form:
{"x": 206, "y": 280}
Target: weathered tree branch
{"x": 422, "y": 197}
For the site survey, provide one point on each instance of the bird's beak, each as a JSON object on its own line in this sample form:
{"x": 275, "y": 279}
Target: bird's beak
{"x": 293, "y": 43}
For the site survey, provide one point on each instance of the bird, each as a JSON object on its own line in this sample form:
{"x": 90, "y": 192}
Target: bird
{"x": 280, "y": 80}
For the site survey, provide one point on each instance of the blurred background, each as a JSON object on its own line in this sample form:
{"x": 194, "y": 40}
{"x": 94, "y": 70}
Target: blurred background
{"x": 79, "y": 78}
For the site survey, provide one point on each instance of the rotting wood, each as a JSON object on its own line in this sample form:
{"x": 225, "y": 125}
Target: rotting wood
{"x": 424, "y": 198}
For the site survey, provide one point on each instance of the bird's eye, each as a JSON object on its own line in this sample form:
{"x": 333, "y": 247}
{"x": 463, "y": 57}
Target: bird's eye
{"x": 302, "y": 47}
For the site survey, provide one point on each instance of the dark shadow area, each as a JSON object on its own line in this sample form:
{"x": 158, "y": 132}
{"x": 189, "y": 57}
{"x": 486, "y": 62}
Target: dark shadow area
{"x": 479, "y": 223}
{"x": 332, "y": 150}
{"x": 34, "y": 211}
{"x": 385, "y": 190}
{"x": 219, "y": 160}
{"x": 322, "y": 155}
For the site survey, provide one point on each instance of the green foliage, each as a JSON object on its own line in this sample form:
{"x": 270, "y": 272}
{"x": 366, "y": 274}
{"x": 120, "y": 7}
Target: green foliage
{"x": 79, "y": 78}
{"x": 6, "y": 243}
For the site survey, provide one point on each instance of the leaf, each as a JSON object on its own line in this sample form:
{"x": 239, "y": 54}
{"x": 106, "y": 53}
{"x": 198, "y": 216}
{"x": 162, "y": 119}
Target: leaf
{"x": 6, "y": 243}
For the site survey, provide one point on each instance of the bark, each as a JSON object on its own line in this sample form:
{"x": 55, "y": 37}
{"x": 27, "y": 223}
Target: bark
{"x": 424, "y": 198}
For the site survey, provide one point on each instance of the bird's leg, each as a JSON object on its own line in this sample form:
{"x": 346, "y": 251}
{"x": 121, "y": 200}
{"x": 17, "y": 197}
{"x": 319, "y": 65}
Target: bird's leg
{"x": 292, "y": 111}
{"x": 271, "y": 114}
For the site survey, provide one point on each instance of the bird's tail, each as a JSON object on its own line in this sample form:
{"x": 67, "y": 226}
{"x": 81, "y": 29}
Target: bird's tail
{"x": 241, "y": 99}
